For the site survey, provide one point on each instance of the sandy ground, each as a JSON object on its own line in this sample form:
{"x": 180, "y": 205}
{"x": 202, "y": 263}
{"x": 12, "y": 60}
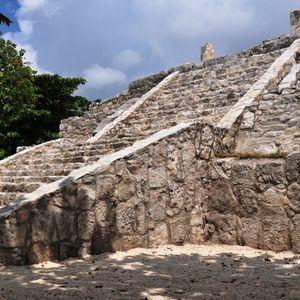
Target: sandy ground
{"x": 169, "y": 272}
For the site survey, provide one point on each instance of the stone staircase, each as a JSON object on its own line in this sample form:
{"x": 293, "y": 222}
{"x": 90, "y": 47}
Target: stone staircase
{"x": 204, "y": 94}
{"x": 276, "y": 120}
{"x": 109, "y": 177}
{"x": 27, "y": 174}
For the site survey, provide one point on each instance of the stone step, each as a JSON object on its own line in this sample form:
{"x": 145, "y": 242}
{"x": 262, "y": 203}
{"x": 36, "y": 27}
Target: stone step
{"x": 35, "y": 172}
{"x": 24, "y": 187}
{"x": 273, "y": 127}
{"x": 63, "y": 160}
{"x": 25, "y": 179}
{"x": 6, "y": 197}
{"x": 45, "y": 166}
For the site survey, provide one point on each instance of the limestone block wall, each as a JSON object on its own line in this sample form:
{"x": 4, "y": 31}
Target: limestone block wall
{"x": 171, "y": 191}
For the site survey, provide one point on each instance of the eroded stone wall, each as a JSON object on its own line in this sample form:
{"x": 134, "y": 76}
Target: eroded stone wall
{"x": 173, "y": 191}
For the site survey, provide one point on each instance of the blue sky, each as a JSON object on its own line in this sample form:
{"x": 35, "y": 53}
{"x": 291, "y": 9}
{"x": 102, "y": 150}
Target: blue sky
{"x": 111, "y": 42}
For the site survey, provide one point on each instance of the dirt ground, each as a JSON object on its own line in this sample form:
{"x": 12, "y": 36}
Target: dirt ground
{"x": 169, "y": 272}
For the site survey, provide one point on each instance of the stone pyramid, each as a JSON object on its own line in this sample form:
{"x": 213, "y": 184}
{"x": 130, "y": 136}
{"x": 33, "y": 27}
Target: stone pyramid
{"x": 199, "y": 153}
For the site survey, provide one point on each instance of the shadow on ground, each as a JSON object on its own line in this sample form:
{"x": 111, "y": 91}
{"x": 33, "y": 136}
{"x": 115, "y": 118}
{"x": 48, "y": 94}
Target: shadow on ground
{"x": 170, "y": 272}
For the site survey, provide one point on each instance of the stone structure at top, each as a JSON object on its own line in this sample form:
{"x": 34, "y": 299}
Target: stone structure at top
{"x": 295, "y": 22}
{"x": 199, "y": 153}
{"x": 207, "y": 52}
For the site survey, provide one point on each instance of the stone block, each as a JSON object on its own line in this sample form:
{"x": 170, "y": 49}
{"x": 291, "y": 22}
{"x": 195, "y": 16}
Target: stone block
{"x": 125, "y": 218}
{"x": 157, "y": 177}
{"x": 295, "y": 237}
{"x": 295, "y": 23}
{"x": 247, "y": 199}
{"x": 180, "y": 230}
{"x": 221, "y": 198}
{"x": 243, "y": 173}
{"x": 272, "y": 203}
{"x": 127, "y": 242}
{"x": 293, "y": 193}
{"x": 105, "y": 186}
{"x": 126, "y": 188}
{"x": 159, "y": 235}
{"x": 271, "y": 172}
{"x": 250, "y": 231}
{"x": 207, "y": 52}
{"x": 12, "y": 234}
{"x": 293, "y": 167}
{"x": 248, "y": 120}
{"x": 224, "y": 229}
{"x": 274, "y": 234}
{"x": 86, "y": 225}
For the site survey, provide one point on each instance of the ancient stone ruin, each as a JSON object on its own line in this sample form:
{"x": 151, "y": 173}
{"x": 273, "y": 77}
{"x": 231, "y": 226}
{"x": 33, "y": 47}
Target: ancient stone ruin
{"x": 199, "y": 153}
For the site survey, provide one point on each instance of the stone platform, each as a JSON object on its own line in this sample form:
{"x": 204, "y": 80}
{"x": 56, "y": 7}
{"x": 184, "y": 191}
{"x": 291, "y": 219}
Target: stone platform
{"x": 196, "y": 154}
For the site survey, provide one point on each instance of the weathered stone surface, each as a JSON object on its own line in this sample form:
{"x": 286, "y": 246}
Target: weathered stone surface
{"x": 41, "y": 252}
{"x": 250, "y": 231}
{"x": 157, "y": 177}
{"x": 207, "y": 52}
{"x": 159, "y": 235}
{"x": 248, "y": 120}
{"x": 274, "y": 234}
{"x": 126, "y": 188}
{"x": 295, "y": 234}
{"x": 86, "y": 225}
{"x": 125, "y": 218}
{"x": 221, "y": 198}
{"x": 12, "y": 234}
{"x": 247, "y": 199}
{"x": 295, "y": 22}
{"x": 272, "y": 202}
{"x": 163, "y": 172}
{"x": 293, "y": 167}
{"x": 271, "y": 172}
{"x": 293, "y": 193}
{"x": 243, "y": 173}
{"x": 179, "y": 230}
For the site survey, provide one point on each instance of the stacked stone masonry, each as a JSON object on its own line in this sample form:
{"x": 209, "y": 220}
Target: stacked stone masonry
{"x": 166, "y": 172}
{"x": 163, "y": 193}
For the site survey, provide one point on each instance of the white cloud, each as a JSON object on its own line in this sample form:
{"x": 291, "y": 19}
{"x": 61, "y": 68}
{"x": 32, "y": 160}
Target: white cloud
{"x": 127, "y": 59}
{"x": 138, "y": 36}
{"x": 29, "y": 6}
{"x": 26, "y": 26}
{"x": 98, "y": 76}
{"x": 31, "y": 56}
{"x": 191, "y": 18}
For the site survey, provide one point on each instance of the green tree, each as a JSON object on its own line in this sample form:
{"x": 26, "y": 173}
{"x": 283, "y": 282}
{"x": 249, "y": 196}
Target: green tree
{"x": 31, "y": 105}
{"x": 18, "y": 94}
{"x": 56, "y": 102}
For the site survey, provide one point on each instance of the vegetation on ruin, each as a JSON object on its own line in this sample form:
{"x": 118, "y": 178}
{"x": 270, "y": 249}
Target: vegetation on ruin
{"x": 32, "y": 105}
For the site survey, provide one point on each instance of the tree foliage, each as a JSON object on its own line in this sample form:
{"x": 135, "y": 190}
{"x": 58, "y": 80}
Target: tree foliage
{"x": 18, "y": 94}
{"x": 32, "y": 105}
{"x": 4, "y": 20}
{"x": 56, "y": 102}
